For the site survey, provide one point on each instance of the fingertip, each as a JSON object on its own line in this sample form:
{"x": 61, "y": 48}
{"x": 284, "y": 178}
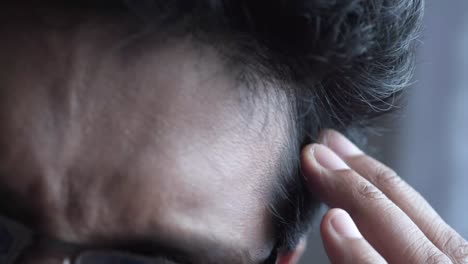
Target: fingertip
{"x": 339, "y": 143}
{"x": 343, "y": 225}
{"x": 308, "y": 151}
{"x": 328, "y": 159}
{"x": 330, "y": 241}
{"x": 324, "y": 224}
{"x": 343, "y": 242}
{"x": 310, "y": 167}
{"x": 339, "y": 224}
{"x": 308, "y": 160}
{"x": 325, "y": 227}
{"x": 318, "y": 164}
{"x": 319, "y": 156}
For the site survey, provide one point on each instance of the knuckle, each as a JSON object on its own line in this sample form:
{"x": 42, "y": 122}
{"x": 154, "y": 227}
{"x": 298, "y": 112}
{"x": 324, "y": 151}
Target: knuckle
{"x": 460, "y": 254}
{"x": 422, "y": 251}
{"x": 369, "y": 191}
{"x": 442, "y": 234}
{"x": 387, "y": 178}
{"x": 456, "y": 247}
{"x": 437, "y": 258}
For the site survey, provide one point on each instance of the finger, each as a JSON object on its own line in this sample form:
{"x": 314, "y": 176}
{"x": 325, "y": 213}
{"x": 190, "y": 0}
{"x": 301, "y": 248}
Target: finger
{"x": 343, "y": 242}
{"x": 402, "y": 194}
{"x": 385, "y": 226}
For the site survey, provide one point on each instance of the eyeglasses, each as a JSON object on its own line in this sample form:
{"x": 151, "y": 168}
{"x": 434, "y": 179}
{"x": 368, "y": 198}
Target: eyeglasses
{"x": 16, "y": 239}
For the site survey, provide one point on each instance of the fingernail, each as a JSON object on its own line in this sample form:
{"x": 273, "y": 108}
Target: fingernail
{"x": 344, "y": 226}
{"x": 340, "y": 144}
{"x": 327, "y": 158}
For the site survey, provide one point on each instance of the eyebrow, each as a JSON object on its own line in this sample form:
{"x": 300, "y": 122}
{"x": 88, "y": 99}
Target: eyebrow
{"x": 183, "y": 251}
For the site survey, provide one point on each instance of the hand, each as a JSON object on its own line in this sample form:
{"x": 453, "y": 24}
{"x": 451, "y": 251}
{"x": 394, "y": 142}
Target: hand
{"x": 393, "y": 223}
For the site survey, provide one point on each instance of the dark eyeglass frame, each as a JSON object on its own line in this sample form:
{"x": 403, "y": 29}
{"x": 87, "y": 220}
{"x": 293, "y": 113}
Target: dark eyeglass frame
{"x": 16, "y": 239}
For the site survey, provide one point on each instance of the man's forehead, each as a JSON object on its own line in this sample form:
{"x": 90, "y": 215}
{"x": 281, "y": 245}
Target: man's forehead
{"x": 165, "y": 127}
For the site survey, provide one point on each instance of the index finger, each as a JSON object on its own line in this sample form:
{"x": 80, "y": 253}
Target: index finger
{"x": 389, "y": 230}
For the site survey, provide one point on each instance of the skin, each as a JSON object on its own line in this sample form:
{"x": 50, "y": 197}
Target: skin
{"x": 85, "y": 127}
{"x": 381, "y": 218}
{"x": 102, "y": 141}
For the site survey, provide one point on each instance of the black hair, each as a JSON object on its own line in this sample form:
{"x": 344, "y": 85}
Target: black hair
{"x": 342, "y": 63}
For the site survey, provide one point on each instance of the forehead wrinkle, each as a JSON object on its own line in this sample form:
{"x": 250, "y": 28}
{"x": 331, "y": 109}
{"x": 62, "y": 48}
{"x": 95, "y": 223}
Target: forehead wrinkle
{"x": 264, "y": 116}
{"x": 223, "y": 136}
{"x": 253, "y": 136}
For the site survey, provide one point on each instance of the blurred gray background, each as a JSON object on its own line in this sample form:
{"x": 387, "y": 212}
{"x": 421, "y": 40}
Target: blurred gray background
{"x": 428, "y": 143}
